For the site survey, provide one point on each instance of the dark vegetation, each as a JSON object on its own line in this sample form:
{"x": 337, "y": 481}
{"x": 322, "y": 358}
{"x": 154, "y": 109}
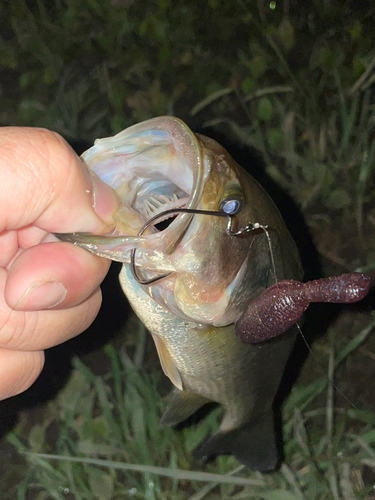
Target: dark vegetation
{"x": 288, "y": 87}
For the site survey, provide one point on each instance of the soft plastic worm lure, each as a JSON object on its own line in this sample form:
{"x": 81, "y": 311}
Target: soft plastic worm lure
{"x": 282, "y": 304}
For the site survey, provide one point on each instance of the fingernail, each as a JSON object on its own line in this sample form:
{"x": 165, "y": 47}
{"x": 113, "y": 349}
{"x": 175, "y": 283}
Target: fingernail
{"x": 105, "y": 200}
{"x": 41, "y": 295}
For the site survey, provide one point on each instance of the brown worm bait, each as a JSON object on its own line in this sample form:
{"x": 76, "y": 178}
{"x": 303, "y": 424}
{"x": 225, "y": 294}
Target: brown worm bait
{"x": 282, "y": 304}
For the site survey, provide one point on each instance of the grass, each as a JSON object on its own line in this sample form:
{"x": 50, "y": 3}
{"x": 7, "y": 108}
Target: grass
{"x": 100, "y": 438}
{"x": 294, "y": 82}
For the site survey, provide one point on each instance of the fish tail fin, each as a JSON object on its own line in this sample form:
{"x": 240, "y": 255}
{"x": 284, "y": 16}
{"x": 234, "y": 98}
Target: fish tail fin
{"x": 254, "y": 445}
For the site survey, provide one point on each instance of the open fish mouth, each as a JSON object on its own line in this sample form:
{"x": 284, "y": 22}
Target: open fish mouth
{"x": 159, "y": 202}
{"x": 156, "y": 196}
{"x": 153, "y": 166}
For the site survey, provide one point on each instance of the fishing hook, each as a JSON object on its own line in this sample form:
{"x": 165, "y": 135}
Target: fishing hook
{"x": 229, "y": 230}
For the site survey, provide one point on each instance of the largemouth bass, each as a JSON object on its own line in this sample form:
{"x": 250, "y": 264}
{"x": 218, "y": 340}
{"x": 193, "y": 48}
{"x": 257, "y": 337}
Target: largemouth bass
{"x": 199, "y": 277}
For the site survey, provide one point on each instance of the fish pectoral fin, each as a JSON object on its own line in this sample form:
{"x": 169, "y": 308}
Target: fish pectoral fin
{"x": 253, "y": 444}
{"x": 181, "y": 404}
{"x": 167, "y": 363}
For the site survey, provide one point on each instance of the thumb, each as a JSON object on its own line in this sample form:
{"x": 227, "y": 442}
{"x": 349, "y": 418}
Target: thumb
{"x": 45, "y": 183}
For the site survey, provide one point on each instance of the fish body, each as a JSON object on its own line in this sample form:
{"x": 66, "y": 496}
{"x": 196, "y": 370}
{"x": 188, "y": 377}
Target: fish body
{"x": 211, "y": 276}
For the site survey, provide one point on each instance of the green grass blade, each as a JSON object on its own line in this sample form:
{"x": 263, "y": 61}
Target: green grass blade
{"x": 161, "y": 471}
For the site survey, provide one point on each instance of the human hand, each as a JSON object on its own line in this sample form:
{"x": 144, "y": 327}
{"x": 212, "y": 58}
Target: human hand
{"x": 49, "y": 290}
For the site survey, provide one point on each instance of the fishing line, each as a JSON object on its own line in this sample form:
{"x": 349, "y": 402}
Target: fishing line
{"x": 322, "y": 369}
{"x": 329, "y": 380}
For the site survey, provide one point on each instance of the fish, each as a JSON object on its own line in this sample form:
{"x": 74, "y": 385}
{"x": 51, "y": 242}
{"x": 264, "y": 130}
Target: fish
{"x": 215, "y": 243}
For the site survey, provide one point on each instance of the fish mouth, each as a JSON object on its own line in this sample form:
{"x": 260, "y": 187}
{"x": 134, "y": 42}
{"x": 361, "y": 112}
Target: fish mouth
{"x": 156, "y": 195}
{"x": 153, "y": 166}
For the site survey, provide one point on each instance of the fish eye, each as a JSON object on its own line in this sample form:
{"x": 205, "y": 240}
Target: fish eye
{"x": 231, "y": 205}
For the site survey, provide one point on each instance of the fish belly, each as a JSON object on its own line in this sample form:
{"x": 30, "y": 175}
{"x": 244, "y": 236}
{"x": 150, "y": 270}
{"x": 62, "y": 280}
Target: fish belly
{"x": 213, "y": 364}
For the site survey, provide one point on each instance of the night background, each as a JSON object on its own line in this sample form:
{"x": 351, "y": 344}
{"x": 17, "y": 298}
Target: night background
{"x": 288, "y": 88}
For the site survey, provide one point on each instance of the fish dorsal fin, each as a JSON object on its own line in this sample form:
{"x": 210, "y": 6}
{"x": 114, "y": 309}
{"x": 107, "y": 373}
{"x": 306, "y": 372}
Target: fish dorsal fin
{"x": 167, "y": 363}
